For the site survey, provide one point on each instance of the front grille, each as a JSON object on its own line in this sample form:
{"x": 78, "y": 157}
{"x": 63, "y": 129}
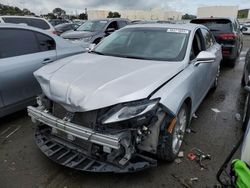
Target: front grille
{"x": 86, "y": 119}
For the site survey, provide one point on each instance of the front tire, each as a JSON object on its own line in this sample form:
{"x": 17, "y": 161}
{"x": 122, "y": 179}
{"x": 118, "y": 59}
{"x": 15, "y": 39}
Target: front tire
{"x": 170, "y": 143}
{"x": 215, "y": 84}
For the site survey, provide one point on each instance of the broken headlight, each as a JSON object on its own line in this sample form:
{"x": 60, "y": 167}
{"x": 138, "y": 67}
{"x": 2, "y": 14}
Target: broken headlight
{"x": 130, "y": 110}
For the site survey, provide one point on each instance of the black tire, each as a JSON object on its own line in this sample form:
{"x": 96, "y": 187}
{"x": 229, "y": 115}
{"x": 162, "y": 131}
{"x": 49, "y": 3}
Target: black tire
{"x": 246, "y": 113}
{"x": 165, "y": 149}
{"x": 243, "y": 83}
{"x": 231, "y": 63}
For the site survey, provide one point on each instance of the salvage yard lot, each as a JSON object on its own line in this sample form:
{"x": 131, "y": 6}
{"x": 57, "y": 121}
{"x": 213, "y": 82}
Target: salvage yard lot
{"x": 23, "y": 165}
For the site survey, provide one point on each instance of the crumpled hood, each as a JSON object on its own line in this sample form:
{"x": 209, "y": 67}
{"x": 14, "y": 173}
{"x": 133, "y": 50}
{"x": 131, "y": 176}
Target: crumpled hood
{"x": 77, "y": 34}
{"x": 88, "y": 81}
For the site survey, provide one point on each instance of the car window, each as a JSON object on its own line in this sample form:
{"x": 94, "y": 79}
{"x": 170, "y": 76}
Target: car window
{"x": 208, "y": 38}
{"x": 122, "y": 24}
{"x": 215, "y": 25}
{"x": 16, "y": 42}
{"x": 146, "y": 43}
{"x": 197, "y": 45}
{"x": 39, "y": 23}
{"x": 45, "y": 42}
{"x": 93, "y": 25}
{"x": 15, "y": 20}
{"x": 113, "y": 25}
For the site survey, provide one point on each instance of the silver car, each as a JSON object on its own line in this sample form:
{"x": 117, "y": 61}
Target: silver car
{"x": 134, "y": 94}
{"x": 23, "y": 50}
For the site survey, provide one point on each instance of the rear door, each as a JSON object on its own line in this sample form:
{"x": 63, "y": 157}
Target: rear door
{"x": 21, "y": 53}
{"x": 214, "y": 48}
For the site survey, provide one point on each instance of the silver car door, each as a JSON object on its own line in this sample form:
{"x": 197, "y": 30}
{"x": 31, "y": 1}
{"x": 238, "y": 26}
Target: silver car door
{"x": 200, "y": 71}
{"x": 22, "y": 53}
{"x": 214, "y": 48}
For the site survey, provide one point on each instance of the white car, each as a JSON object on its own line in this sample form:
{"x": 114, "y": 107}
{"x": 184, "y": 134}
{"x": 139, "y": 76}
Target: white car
{"x": 247, "y": 30}
{"x": 40, "y": 23}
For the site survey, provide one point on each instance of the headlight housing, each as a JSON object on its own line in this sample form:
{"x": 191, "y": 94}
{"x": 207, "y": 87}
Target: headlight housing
{"x": 129, "y": 111}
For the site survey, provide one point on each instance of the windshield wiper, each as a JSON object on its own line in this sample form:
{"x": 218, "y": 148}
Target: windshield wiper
{"x": 95, "y": 52}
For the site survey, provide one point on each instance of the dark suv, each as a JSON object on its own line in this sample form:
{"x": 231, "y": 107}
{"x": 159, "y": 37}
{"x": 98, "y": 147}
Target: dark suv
{"x": 227, "y": 32}
{"x": 92, "y": 31}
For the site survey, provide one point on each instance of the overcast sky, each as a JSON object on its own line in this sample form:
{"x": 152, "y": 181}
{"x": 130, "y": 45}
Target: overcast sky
{"x": 77, "y": 6}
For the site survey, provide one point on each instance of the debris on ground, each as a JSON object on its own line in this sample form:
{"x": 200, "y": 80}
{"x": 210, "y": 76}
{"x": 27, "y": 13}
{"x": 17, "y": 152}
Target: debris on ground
{"x": 238, "y": 117}
{"x": 194, "y": 179}
{"x": 182, "y": 181}
{"x": 195, "y": 116}
{"x": 189, "y": 130}
{"x": 181, "y": 154}
{"x": 9, "y": 134}
{"x": 178, "y": 161}
{"x": 199, "y": 156}
{"x": 215, "y": 110}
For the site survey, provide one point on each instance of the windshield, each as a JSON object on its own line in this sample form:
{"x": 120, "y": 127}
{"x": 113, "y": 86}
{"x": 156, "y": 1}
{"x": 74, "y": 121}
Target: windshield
{"x": 144, "y": 43}
{"x": 215, "y": 24}
{"x": 93, "y": 26}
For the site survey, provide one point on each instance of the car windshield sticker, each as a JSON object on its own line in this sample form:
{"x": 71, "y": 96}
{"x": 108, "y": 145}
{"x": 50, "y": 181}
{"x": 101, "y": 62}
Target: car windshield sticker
{"x": 177, "y": 31}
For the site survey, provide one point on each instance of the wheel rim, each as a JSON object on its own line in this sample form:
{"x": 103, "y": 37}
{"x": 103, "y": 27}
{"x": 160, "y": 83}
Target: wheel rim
{"x": 179, "y": 131}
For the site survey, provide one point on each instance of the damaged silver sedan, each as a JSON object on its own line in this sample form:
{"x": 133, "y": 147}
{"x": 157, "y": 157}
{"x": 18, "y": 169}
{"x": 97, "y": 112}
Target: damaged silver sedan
{"x": 128, "y": 101}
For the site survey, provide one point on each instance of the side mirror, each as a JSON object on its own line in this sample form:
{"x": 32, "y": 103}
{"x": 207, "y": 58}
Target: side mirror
{"x": 243, "y": 28}
{"x": 205, "y": 57}
{"x": 91, "y": 47}
{"x": 110, "y": 30}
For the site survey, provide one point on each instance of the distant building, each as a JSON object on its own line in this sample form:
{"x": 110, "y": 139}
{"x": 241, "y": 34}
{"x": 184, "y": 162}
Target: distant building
{"x": 218, "y": 11}
{"x": 154, "y": 14}
{"x": 244, "y": 14}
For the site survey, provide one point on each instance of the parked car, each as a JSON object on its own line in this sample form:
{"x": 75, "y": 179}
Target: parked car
{"x": 227, "y": 32}
{"x": 133, "y": 94}
{"x": 247, "y": 30}
{"x": 23, "y": 50}
{"x": 28, "y": 20}
{"x": 93, "y": 31}
{"x": 246, "y": 70}
{"x": 58, "y": 21}
{"x": 79, "y": 21}
{"x": 61, "y": 28}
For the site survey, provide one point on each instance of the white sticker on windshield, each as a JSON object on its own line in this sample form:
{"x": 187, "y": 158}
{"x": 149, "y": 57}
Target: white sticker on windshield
{"x": 171, "y": 30}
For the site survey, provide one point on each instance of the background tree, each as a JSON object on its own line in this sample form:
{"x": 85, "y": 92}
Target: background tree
{"x": 188, "y": 17}
{"x": 114, "y": 15}
{"x": 83, "y": 16}
{"x": 59, "y": 12}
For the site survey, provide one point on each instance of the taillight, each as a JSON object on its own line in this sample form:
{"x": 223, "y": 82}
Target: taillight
{"x": 54, "y": 32}
{"x": 227, "y": 36}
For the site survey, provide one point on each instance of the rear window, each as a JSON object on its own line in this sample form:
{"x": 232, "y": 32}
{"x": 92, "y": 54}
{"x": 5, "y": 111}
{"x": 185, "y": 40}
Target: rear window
{"x": 215, "y": 24}
{"x": 39, "y": 23}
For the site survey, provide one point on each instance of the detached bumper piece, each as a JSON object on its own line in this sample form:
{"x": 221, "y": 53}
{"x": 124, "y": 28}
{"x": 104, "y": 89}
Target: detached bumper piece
{"x": 69, "y": 155}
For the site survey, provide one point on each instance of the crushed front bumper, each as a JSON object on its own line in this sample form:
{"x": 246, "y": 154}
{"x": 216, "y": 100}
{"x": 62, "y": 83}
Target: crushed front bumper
{"x": 69, "y": 154}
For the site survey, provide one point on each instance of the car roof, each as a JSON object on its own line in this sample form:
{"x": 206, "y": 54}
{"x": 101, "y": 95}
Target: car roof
{"x": 214, "y": 18}
{"x": 12, "y": 16}
{"x": 22, "y": 26}
{"x": 109, "y": 19}
{"x": 188, "y": 26}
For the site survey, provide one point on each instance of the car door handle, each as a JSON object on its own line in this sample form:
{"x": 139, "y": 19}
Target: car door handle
{"x": 46, "y": 61}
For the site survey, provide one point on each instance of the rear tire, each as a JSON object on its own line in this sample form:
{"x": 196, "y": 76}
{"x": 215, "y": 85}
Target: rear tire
{"x": 246, "y": 113}
{"x": 170, "y": 143}
{"x": 215, "y": 84}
